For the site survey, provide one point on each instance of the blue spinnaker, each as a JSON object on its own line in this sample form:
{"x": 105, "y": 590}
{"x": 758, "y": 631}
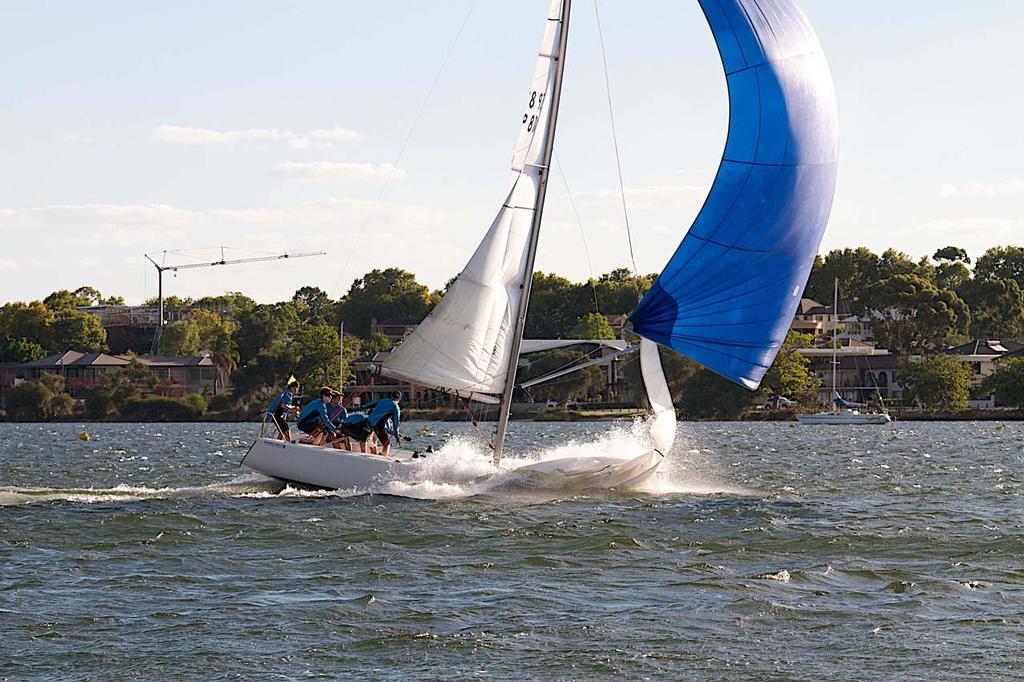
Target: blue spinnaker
{"x": 728, "y": 295}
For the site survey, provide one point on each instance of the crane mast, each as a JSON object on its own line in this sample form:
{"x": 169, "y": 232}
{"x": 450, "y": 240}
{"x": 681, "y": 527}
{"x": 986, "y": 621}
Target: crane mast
{"x": 161, "y": 269}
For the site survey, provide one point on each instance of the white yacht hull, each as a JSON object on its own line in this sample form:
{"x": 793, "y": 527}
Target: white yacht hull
{"x": 340, "y": 469}
{"x": 327, "y": 467}
{"x": 841, "y": 418}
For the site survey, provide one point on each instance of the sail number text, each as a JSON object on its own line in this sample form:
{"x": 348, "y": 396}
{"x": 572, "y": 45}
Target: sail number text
{"x": 536, "y": 105}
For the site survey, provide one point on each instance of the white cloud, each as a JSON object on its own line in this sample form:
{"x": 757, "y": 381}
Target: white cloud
{"x": 158, "y": 225}
{"x": 991, "y": 227}
{"x": 334, "y": 134}
{"x": 7, "y": 264}
{"x": 110, "y": 214}
{"x": 335, "y": 170}
{"x": 206, "y": 136}
{"x": 982, "y": 189}
{"x": 651, "y": 196}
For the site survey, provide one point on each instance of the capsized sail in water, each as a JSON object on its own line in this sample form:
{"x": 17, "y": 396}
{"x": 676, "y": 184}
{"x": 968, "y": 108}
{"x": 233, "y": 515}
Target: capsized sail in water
{"x": 725, "y": 298}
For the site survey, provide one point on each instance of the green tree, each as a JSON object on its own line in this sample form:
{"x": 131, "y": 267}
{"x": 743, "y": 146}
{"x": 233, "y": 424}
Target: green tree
{"x": 268, "y": 370}
{"x": 28, "y": 402}
{"x": 997, "y": 308}
{"x": 75, "y": 330}
{"x": 706, "y": 395}
{"x": 20, "y": 350}
{"x": 131, "y": 382}
{"x": 210, "y": 326}
{"x": 314, "y": 305}
{"x": 584, "y": 384}
{"x": 316, "y": 352}
{"x": 952, "y": 276}
{"x": 98, "y": 404}
{"x": 373, "y": 344}
{"x": 384, "y": 295}
{"x": 230, "y": 305}
{"x": 855, "y": 269}
{"x": 180, "y": 338}
{"x": 553, "y": 309}
{"x": 952, "y": 254}
{"x": 593, "y": 326}
{"x": 64, "y": 299}
{"x": 29, "y": 321}
{"x": 1007, "y": 383}
{"x": 225, "y": 356}
{"x": 789, "y": 375}
{"x": 1002, "y": 262}
{"x": 910, "y": 314}
{"x": 618, "y": 291}
{"x": 39, "y": 400}
{"x": 263, "y": 327}
{"x": 938, "y": 382}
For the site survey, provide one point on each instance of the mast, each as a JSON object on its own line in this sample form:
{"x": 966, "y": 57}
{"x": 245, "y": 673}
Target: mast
{"x": 531, "y": 256}
{"x": 341, "y": 358}
{"x": 835, "y": 332}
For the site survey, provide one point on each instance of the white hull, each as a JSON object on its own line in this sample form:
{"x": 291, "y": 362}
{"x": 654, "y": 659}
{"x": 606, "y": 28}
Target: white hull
{"x": 327, "y": 467}
{"x": 840, "y": 418}
{"x": 341, "y": 469}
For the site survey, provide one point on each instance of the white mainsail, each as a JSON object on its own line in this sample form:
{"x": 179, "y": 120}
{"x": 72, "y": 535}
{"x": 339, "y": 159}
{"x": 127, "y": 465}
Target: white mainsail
{"x": 466, "y": 342}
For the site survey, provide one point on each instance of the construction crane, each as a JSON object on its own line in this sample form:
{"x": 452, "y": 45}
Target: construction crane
{"x": 161, "y": 269}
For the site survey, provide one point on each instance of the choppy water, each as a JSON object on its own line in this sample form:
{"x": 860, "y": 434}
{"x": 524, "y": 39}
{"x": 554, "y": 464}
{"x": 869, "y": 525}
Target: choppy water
{"x": 769, "y": 551}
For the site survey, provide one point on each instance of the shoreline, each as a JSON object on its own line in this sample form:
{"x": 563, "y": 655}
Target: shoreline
{"x": 989, "y": 415}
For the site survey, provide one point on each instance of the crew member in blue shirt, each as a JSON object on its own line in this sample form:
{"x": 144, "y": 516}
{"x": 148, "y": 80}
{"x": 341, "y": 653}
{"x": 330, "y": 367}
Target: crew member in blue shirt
{"x": 314, "y": 419}
{"x": 284, "y": 403}
{"x": 336, "y": 412}
{"x": 380, "y": 413}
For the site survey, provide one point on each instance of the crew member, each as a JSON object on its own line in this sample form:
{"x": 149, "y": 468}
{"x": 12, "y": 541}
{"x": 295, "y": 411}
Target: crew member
{"x": 285, "y": 403}
{"x": 381, "y": 413}
{"x": 314, "y": 420}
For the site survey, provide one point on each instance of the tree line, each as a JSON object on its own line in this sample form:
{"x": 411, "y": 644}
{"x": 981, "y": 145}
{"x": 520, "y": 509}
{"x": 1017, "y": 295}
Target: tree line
{"x": 915, "y": 307}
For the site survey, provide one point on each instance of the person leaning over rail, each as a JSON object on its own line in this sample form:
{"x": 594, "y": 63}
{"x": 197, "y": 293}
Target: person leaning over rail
{"x": 314, "y": 420}
{"x": 380, "y": 413}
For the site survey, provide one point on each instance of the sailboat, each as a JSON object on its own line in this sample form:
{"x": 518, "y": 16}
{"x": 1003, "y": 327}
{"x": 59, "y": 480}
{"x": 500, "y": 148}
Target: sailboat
{"x": 845, "y": 412}
{"x": 725, "y": 299}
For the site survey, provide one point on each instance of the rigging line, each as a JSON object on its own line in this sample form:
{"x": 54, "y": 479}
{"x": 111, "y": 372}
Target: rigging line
{"x": 573, "y": 361}
{"x": 615, "y": 139}
{"x": 405, "y": 142}
{"x": 583, "y": 234}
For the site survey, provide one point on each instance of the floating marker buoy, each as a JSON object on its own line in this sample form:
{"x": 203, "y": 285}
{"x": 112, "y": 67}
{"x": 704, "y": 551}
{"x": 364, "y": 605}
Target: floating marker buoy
{"x": 1000, "y": 427}
{"x": 426, "y": 429}
{"x": 84, "y": 435}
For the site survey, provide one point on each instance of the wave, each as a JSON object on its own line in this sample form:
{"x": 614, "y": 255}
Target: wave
{"x": 241, "y": 485}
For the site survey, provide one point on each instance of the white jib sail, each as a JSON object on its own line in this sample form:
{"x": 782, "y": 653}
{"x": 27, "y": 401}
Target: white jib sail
{"x": 663, "y": 420}
{"x": 465, "y": 342}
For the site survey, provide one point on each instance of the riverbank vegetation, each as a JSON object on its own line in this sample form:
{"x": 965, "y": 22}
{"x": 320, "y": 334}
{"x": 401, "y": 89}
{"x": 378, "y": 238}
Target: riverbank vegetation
{"x": 916, "y": 308}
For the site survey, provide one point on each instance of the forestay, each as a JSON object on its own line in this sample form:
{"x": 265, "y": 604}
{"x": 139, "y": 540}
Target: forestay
{"x": 465, "y": 343}
{"x": 728, "y": 295}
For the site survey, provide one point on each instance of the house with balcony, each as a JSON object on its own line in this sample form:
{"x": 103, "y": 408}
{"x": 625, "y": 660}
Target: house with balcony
{"x": 983, "y": 357}
{"x": 84, "y": 371}
{"x": 863, "y": 372}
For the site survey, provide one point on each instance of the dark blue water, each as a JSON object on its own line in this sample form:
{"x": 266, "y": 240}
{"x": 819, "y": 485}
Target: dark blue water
{"x": 772, "y": 551}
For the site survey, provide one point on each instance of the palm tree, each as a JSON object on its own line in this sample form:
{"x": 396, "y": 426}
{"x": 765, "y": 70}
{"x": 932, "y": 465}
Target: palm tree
{"x": 225, "y": 358}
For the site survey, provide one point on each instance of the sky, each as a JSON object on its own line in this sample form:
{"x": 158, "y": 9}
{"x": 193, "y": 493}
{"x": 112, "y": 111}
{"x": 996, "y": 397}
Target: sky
{"x": 131, "y": 128}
